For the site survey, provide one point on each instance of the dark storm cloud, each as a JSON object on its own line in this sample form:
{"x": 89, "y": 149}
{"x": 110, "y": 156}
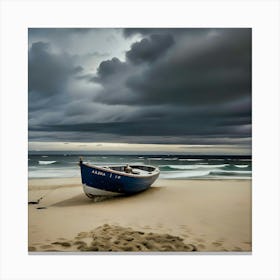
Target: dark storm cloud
{"x": 109, "y": 68}
{"x": 55, "y": 34}
{"x": 147, "y": 128}
{"x": 209, "y": 69}
{"x": 190, "y": 86}
{"x": 144, "y": 31}
{"x": 128, "y": 32}
{"x": 56, "y": 31}
{"x": 148, "y": 50}
{"x": 48, "y": 72}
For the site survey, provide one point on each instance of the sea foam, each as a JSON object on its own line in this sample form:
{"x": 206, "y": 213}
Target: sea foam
{"x": 47, "y": 161}
{"x": 193, "y": 166}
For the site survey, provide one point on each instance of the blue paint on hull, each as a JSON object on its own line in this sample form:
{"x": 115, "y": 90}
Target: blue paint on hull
{"x": 102, "y": 179}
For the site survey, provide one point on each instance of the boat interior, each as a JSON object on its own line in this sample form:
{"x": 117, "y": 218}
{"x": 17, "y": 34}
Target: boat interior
{"x": 134, "y": 169}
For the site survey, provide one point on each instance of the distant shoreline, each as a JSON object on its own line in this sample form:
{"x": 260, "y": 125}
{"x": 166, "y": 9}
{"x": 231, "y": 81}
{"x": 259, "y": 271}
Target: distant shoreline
{"x": 109, "y": 153}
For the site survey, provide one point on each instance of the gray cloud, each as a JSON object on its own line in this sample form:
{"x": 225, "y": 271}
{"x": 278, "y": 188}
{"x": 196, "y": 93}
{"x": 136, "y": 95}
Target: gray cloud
{"x": 148, "y": 50}
{"x": 211, "y": 68}
{"x": 109, "y": 68}
{"x": 48, "y": 73}
{"x": 129, "y": 32}
{"x": 189, "y": 86}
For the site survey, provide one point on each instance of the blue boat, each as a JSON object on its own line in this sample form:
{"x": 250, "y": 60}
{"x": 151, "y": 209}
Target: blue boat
{"x": 116, "y": 179}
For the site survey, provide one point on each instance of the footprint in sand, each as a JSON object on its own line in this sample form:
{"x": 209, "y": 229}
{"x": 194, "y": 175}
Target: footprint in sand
{"x": 82, "y": 235}
{"x": 128, "y": 238}
{"x": 80, "y": 243}
{"x": 64, "y": 244}
{"x": 190, "y": 248}
{"x": 128, "y": 248}
{"x": 53, "y": 250}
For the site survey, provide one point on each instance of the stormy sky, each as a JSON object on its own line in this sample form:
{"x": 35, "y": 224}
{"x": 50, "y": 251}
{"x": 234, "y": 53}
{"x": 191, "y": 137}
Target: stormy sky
{"x": 145, "y": 86}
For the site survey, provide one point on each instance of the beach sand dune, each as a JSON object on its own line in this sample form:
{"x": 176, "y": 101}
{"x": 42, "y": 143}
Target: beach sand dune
{"x": 173, "y": 216}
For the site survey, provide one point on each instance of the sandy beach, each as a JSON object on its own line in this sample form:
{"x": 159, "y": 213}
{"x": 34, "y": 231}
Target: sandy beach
{"x": 172, "y": 216}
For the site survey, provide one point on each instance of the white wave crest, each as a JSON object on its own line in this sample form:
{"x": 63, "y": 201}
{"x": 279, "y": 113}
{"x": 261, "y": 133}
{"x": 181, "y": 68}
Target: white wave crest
{"x": 213, "y": 165}
{"x": 47, "y": 161}
{"x": 190, "y": 159}
{"x": 225, "y": 172}
{"x": 181, "y": 167}
{"x": 213, "y": 174}
{"x": 192, "y": 167}
{"x": 241, "y": 166}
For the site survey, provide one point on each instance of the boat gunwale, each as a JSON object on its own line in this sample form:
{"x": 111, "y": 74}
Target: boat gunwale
{"x": 157, "y": 171}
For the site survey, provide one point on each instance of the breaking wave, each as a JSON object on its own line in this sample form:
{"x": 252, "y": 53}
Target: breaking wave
{"x": 171, "y": 166}
{"x": 241, "y": 166}
{"x": 207, "y": 174}
{"x": 209, "y": 171}
{"x": 42, "y": 162}
{"x": 191, "y": 167}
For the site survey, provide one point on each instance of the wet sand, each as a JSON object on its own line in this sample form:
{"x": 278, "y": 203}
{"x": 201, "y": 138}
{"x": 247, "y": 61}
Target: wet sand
{"x": 172, "y": 216}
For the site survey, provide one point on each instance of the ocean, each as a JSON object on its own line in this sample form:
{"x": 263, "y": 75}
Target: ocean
{"x": 50, "y": 165}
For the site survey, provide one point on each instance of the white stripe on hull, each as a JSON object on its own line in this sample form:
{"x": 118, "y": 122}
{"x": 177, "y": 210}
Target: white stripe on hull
{"x": 94, "y": 191}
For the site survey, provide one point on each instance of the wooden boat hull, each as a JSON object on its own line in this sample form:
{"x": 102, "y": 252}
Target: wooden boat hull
{"x": 110, "y": 182}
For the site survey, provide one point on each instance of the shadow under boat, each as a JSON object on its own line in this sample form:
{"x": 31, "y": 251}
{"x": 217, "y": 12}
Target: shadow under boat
{"x": 80, "y": 199}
